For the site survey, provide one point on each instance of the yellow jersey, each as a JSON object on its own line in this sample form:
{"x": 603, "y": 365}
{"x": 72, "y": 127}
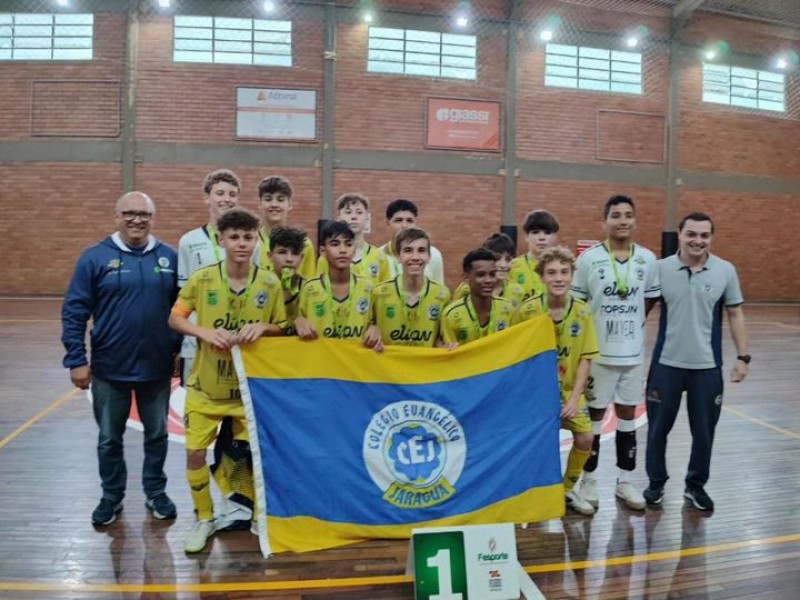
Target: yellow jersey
{"x": 307, "y": 267}
{"x": 345, "y": 319}
{"x": 460, "y": 322}
{"x": 404, "y": 325}
{"x": 372, "y": 265}
{"x": 207, "y": 293}
{"x": 575, "y": 337}
{"x": 511, "y": 292}
{"x": 523, "y": 273}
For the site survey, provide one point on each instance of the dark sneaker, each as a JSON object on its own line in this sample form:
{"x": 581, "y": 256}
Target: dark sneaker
{"x": 699, "y": 499}
{"x": 162, "y": 507}
{"x": 106, "y": 512}
{"x": 653, "y": 496}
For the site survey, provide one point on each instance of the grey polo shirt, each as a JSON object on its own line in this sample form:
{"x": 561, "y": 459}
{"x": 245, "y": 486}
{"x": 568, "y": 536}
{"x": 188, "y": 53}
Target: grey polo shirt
{"x": 690, "y": 329}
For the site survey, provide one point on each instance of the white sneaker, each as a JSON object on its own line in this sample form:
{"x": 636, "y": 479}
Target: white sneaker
{"x": 630, "y": 495}
{"x": 237, "y": 518}
{"x": 589, "y": 490}
{"x": 198, "y": 537}
{"x": 578, "y": 504}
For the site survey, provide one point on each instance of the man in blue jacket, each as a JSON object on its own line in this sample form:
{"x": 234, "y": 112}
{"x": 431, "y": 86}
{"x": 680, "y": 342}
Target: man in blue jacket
{"x": 126, "y": 284}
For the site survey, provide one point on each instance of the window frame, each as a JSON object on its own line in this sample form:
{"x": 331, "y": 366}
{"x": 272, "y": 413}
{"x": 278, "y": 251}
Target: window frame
{"x": 719, "y": 81}
{"x": 218, "y": 40}
{"x": 433, "y": 54}
{"x": 46, "y": 37}
{"x": 594, "y": 69}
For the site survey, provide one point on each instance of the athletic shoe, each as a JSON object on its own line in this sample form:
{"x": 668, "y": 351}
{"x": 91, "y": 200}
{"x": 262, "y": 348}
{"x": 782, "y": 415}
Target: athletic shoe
{"x": 236, "y": 519}
{"x": 198, "y": 537}
{"x": 699, "y": 498}
{"x": 589, "y": 490}
{"x": 653, "y": 496}
{"x": 630, "y": 495}
{"x": 161, "y": 507}
{"x": 578, "y": 504}
{"x": 106, "y": 512}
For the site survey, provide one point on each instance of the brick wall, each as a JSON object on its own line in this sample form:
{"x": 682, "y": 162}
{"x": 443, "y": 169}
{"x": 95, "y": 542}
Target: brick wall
{"x": 51, "y": 213}
{"x": 17, "y": 78}
{"x": 458, "y": 211}
{"x": 69, "y": 205}
{"x": 190, "y": 102}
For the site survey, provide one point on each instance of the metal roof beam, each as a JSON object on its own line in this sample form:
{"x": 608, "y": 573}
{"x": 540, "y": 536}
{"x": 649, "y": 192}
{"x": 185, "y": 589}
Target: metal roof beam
{"x": 685, "y": 8}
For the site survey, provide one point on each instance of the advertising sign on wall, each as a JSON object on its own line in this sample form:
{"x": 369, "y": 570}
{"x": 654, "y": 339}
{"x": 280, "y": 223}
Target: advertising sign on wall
{"x": 460, "y": 124}
{"x": 274, "y": 114}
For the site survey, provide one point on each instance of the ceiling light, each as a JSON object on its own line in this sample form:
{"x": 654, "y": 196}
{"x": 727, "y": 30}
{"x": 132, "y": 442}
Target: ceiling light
{"x": 269, "y": 6}
{"x": 546, "y": 35}
{"x": 632, "y": 42}
{"x": 163, "y": 3}
{"x": 716, "y": 50}
{"x": 367, "y": 17}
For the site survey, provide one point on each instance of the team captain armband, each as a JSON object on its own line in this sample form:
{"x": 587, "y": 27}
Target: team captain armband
{"x": 180, "y": 309}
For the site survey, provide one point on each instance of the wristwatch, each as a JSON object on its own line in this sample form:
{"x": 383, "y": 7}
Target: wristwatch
{"x": 745, "y": 358}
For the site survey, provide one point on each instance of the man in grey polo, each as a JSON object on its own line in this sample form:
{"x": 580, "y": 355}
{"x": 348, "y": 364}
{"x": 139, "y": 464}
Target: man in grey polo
{"x": 695, "y": 286}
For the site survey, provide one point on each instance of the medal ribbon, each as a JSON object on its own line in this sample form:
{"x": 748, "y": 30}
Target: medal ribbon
{"x": 212, "y": 236}
{"x": 622, "y": 284}
{"x": 490, "y": 326}
{"x": 334, "y": 306}
{"x": 408, "y": 310}
{"x": 560, "y": 324}
{"x": 237, "y": 302}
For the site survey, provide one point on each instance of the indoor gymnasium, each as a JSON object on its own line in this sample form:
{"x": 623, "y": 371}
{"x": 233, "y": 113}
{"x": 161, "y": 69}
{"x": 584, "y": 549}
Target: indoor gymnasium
{"x": 328, "y": 299}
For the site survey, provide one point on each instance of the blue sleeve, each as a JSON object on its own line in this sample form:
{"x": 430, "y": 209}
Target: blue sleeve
{"x": 177, "y": 338}
{"x": 79, "y": 304}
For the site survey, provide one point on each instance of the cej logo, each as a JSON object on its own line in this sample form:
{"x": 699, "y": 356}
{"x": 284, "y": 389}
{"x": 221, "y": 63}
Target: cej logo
{"x": 414, "y": 451}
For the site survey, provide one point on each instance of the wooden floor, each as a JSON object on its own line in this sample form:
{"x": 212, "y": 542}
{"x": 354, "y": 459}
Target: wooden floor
{"x": 749, "y": 547}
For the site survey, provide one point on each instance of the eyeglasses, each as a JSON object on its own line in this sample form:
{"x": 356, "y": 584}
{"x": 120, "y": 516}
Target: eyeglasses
{"x": 132, "y": 215}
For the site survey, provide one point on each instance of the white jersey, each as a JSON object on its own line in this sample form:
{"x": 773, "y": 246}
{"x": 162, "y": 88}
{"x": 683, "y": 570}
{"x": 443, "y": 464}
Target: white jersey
{"x": 434, "y": 270}
{"x": 196, "y": 248}
{"x": 619, "y": 320}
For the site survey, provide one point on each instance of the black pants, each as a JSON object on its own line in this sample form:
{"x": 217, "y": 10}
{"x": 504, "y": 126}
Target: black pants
{"x": 703, "y": 389}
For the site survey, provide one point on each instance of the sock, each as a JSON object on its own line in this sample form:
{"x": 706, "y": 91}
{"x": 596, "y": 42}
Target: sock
{"x": 222, "y": 467}
{"x": 594, "y": 456}
{"x": 240, "y": 473}
{"x": 199, "y": 480}
{"x": 626, "y": 444}
{"x": 577, "y": 458}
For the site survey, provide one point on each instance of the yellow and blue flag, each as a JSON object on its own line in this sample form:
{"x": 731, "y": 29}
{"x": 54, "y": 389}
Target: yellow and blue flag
{"x": 350, "y": 445}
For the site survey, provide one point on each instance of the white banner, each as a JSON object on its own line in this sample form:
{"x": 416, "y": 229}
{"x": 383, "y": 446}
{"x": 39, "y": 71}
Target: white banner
{"x": 275, "y": 114}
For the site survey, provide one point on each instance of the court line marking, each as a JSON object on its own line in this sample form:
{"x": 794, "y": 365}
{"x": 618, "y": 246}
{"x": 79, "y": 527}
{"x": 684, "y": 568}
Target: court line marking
{"x": 262, "y": 586}
{"x": 780, "y": 430}
{"x": 48, "y": 298}
{"x": 30, "y": 320}
{"x": 11, "y": 436}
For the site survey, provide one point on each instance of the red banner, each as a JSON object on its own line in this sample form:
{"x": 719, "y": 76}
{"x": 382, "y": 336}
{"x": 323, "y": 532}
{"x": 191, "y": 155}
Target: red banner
{"x": 463, "y": 124}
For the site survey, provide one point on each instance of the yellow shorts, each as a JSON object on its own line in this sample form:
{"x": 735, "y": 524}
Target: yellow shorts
{"x": 203, "y": 415}
{"x": 580, "y": 423}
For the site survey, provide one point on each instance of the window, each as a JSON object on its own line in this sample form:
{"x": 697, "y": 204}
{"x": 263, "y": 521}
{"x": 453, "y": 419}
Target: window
{"x": 411, "y": 52}
{"x": 46, "y": 36}
{"x": 748, "y": 88}
{"x": 583, "y": 68}
{"x": 233, "y": 41}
